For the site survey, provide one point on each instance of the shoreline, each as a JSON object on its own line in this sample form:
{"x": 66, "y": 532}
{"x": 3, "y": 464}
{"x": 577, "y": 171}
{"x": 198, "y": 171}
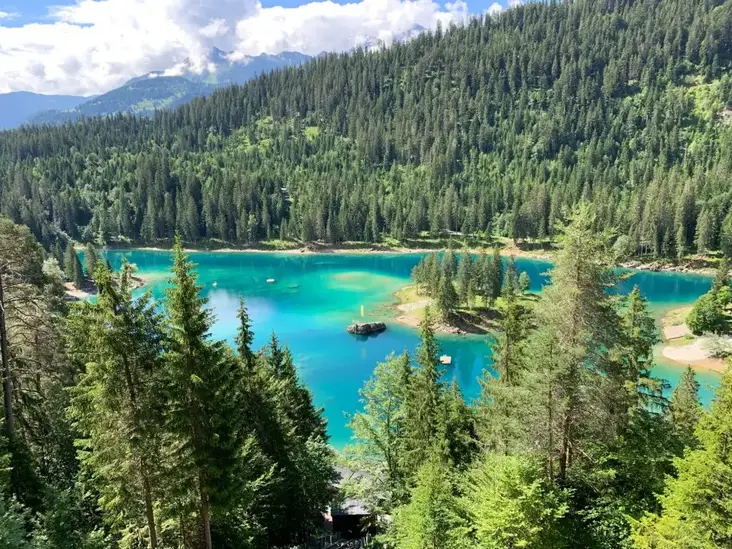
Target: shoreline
{"x": 89, "y": 290}
{"x": 681, "y": 348}
{"x": 696, "y": 266}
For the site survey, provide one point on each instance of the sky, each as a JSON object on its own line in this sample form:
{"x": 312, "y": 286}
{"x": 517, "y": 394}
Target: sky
{"x": 86, "y": 47}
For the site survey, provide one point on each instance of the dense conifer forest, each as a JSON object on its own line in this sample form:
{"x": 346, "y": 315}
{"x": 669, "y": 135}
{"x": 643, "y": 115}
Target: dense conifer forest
{"x": 493, "y": 128}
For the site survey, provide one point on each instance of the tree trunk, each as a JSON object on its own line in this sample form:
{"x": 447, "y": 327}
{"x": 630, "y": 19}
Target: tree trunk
{"x": 205, "y": 513}
{"x": 7, "y": 381}
{"x": 150, "y": 513}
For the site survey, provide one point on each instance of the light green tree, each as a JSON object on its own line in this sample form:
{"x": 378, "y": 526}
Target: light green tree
{"x": 685, "y": 410}
{"x": 433, "y": 518}
{"x": 696, "y": 502}
{"x": 509, "y": 504}
{"x": 379, "y": 430}
{"x": 116, "y": 405}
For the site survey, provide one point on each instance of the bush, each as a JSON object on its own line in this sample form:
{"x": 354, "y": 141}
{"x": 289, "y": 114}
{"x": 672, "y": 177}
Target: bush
{"x": 708, "y": 314}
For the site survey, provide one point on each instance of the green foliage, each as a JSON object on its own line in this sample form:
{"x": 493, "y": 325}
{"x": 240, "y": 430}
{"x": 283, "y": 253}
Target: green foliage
{"x": 91, "y": 258}
{"x": 116, "y": 404}
{"x": 696, "y": 502}
{"x": 72, "y": 266}
{"x": 433, "y": 517}
{"x": 708, "y": 313}
{"x": 379, "y": 429}
{"x": 509, "y": 504}
{"x": 685, "y": 410}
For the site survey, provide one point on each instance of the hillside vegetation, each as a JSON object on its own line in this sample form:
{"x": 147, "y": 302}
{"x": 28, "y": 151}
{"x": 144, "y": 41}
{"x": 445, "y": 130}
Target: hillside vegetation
{"x": 495, "y": 127}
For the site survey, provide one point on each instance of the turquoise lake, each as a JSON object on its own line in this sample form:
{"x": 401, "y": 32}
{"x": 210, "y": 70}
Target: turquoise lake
{"x": 315, "y": 296}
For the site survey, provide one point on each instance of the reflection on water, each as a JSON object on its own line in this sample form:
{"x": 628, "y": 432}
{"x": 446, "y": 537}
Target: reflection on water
{"x": 314, "y": 298}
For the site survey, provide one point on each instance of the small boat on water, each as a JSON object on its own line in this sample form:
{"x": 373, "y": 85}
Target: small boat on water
{"x": 270, "y": 281}
{"x": 366, "y": 328}
{"x": 445, "y": 360}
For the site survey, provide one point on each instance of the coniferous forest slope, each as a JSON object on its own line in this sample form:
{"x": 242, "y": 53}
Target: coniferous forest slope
{"x": 498, "y": 126}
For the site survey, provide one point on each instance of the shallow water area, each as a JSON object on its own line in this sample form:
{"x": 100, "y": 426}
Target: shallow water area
{"x": 315, "y": 296}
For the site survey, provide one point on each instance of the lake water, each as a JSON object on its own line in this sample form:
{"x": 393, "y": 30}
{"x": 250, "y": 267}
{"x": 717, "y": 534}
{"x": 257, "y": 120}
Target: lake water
{"x": 315, "y": 297}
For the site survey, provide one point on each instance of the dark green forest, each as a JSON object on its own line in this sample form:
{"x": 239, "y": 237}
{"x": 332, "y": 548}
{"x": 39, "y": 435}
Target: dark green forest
{"x": 495, "y": 128}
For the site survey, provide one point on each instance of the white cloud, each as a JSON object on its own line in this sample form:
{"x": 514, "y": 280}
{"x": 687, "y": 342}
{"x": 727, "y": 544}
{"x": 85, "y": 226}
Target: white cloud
{"x": 93, "y": 46}
{"x": 514, "y": 3}
{"x": 7, "y": 15}
{"x": 320, "y": 26}
{"x": 494, "y": 9}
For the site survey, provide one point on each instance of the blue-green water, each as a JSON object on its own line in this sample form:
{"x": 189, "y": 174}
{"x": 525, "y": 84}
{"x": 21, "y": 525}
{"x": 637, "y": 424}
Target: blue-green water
{"x": 314, "y": 298}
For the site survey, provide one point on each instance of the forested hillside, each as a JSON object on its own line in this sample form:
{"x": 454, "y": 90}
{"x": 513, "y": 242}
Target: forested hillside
{"x": 495, "y": 127}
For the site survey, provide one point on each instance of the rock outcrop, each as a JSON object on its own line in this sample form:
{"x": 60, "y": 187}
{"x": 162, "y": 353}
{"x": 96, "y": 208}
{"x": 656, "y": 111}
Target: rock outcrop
{"x": 366, "y": 328}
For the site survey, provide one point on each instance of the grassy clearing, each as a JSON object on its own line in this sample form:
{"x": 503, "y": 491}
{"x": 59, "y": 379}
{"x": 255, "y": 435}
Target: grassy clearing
{"x": 675, "y": 317}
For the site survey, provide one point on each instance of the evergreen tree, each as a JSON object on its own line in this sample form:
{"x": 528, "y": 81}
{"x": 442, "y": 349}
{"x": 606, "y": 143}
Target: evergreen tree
{"x": 466, "y": 280}
{"x": 447, "y": 297}
{"x": 117, "y": 406}
{"x": 245, "y": 336}
{"x": 496, "y": 276}
{"x": 433, "y": 517}
{"x": 91, "y": 258}
{"x": 503, "y": 395}
{"x": 577, "y": 327}
{"x": 685, "y": 410}
{"x": 72, "y": 266}
{"x": 203, "y": 387}
{"x": 424, "y": 424}
{"x": 510, "y": 504}
{"x": 695, "y": 503}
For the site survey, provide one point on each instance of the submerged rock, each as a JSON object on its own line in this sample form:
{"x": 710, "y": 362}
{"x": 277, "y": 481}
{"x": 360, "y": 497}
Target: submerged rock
{"x": 366, "y": 328}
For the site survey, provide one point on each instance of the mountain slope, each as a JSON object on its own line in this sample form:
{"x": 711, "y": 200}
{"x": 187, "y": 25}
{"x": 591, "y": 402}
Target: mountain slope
{"x": 157, "y": 90}
{"x": 495, "y": 128}
{"x": 17, "y": 107}
{"x": 142, "y": 95}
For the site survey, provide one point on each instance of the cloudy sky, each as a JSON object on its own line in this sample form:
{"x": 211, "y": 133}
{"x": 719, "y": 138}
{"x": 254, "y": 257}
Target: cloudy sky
{"x": 85, "y": 47}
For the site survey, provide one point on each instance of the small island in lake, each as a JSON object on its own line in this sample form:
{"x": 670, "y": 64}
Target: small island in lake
{"x": 468, "y": 295}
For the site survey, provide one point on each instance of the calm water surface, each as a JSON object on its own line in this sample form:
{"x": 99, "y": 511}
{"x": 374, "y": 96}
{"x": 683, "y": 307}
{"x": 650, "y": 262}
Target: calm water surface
{"x": 315, "y": 297}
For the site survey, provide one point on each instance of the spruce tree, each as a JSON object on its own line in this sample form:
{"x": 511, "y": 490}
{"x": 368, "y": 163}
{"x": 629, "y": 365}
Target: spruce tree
{"x": 685, "y": 411}
{"x": 496, "y": 274}
{"x": 424, "y": 418}
{"x": 91, "y": 258}
{"x": 447, "y": 298}
{"x": 72, "y": 266}
{"x": 117, "y": 405}
{"x": 203, "y": 388}
{"x": 466, "y": 280}
{"x": 245, "y": 336}
{"x": 696, "y": 502}
{"x": 571, "y": 348}
{"x": 433, "y": 517}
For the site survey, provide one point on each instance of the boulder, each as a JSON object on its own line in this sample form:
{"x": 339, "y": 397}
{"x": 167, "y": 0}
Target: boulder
{"x": 366, "y": 328}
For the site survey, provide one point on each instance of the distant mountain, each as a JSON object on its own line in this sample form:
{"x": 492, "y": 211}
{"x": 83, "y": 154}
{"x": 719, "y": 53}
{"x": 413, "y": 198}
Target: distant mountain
{"x": 143, "y": 95}
{"x": 17, "y": 107}
{"x": 239, "y": 71}
{"x": 166, "y": 89}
